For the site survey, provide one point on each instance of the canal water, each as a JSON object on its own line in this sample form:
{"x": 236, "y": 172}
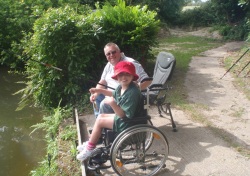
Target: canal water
{"x": 20, "y": 151}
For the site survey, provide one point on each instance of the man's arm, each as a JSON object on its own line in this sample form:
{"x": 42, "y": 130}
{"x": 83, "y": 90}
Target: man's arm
{"x": 100, "y": 89}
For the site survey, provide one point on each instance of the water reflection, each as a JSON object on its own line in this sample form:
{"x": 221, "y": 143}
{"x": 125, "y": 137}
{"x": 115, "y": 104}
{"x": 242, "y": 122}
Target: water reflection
{"x": 19, "y": 151}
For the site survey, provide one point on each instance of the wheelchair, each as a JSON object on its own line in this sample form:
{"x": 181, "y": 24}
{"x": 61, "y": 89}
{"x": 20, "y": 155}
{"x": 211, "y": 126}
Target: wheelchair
{"x": 141, "y": 149}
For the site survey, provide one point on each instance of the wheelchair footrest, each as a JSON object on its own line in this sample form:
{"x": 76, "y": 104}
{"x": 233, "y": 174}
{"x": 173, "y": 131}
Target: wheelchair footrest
{"x": 98, "y": 167}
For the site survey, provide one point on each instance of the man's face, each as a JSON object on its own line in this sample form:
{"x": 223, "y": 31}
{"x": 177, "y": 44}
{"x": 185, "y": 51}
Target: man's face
{"x": 112, "y": 54}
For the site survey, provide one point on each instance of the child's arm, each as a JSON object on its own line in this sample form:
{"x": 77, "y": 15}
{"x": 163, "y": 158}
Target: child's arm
{"x": 117, "y": 109}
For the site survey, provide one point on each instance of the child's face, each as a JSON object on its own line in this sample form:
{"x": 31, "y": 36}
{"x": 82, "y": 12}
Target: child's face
{"x": 125, "y": 78}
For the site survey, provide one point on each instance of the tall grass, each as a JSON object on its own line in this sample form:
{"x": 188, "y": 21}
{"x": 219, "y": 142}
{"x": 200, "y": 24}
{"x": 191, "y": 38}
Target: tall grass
{"x": 61, "y": 149}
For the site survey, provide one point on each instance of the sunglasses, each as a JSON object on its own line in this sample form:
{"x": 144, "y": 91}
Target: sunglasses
{"x": 111, "y": 52}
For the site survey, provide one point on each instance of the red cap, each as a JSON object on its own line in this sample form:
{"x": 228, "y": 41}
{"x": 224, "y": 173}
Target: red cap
{"x": 124, "y": 66}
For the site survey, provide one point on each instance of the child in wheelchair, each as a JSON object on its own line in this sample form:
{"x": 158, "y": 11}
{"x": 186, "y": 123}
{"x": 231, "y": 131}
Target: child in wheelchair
{"x": 124, "y": 100}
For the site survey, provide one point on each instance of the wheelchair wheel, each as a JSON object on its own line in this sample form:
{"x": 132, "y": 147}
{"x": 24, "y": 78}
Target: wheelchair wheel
{"x": 129, "y": 155}
{"x": 149, "y": 136}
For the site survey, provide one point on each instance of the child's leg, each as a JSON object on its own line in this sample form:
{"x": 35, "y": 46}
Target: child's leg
{"x": 103, "y": 121}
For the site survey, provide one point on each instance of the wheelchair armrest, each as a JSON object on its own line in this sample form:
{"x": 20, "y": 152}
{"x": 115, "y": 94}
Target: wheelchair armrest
{"x": 147, "y": 79}
{"x": 156, "y": 87}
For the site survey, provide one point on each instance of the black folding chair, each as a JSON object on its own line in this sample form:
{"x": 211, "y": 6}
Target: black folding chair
{"x": 163, "y": 71}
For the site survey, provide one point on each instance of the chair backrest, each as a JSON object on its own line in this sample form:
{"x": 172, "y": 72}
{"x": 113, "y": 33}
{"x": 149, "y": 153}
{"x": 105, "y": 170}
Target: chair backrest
{"x": 164, "y": 67}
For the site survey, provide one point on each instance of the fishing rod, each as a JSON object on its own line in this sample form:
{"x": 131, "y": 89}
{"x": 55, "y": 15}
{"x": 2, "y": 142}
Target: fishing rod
{"x": 247, "y": 74}
{"x": 244, "y": 68}
{"x": 101, "y": 84}
{"x": 47, "y": 65}
{"x": 235, "y": 62}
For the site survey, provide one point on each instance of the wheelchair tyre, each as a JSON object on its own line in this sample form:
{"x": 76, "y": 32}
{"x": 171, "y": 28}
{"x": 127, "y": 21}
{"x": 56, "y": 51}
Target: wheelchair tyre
{"x": 149, "y": 136}
{"x": 129, "y": 155}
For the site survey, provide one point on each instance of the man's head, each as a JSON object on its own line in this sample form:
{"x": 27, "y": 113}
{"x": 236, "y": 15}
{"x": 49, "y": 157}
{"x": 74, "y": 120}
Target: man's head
{"x": 126, "y": 69}
{"x": 112, "y": 53}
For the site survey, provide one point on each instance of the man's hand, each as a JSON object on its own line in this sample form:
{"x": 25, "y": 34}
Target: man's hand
{"x": 92, "y": 90}
{"x": 94, "y": 94}
{"x": 93, "y": 97}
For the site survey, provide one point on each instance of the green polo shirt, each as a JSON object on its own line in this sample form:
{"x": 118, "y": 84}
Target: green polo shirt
{"x": 129, "y": 103}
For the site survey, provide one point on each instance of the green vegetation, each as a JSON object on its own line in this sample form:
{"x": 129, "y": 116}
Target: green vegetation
{"x": 73, "y": 41}
{"x": 230, "y": 17}
{"x": 18, "y": 18}
{"x": 61, "y": 147}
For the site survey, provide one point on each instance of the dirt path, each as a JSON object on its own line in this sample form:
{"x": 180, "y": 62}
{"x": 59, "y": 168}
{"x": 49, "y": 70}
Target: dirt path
{"x": 196, "y": 150}
{"x": 227, "y": 108}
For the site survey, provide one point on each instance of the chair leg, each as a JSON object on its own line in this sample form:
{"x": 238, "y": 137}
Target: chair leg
{"x": 171, "y": 116}
{"x": 159, "y": 109}
{"x": 167, "y": 112}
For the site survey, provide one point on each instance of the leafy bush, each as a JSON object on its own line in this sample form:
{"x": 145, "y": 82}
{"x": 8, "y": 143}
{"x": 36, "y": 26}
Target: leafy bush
{"x": 200, "y": 16}
{"x": 64, "y": 39}
{"x": 235, "y": 32}
{"x": 197, "y": 17}
{"x": 133, "y": 28}
{"x": 228, "y": 11}
{"x": 74, "y": 42}
{"x": 18, "y": 18}
{"x": 167, "y": 10}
